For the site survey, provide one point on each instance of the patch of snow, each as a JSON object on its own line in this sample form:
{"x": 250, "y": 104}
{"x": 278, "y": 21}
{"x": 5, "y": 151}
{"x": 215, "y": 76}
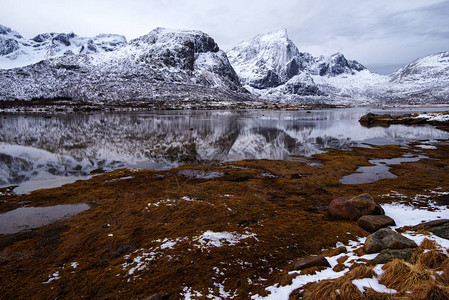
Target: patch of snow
{"x": 190, "y": 294}
{"x": 407, "y": 215}
{"x": 372, "y": 283}
{"x": 54, "y": 276}
{"x": 139, "y": 262}
{"x": 440, "y": 117}
{"x": 120, "y": 178}
{"x": 222, "y": 293}
{"x": 219, "y": 239}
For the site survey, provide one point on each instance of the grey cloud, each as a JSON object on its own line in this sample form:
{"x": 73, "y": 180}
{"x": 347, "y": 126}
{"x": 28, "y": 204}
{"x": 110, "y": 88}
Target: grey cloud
{"x": 372, "y": 31}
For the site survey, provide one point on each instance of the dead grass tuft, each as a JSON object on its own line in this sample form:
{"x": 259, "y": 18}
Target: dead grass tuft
{"x": 342, "y": 259}
{"x": 360, "y": 251}
{"x": 349, "y": 291}
{"x": 285, "y": 278}
{"x": 445, "y": 274}
{"x": 359, "y": 272}
{"x": 402, "y": 276}
{"x": 334, "y": 252}
{"x": 312, "y": 270}
{"x": 326, "y": 289}
{"x": 338, "y": 268}
{"x": 428, "y": 244}
{"x": 430, "y": 290}
{"x": 431, "y": 260}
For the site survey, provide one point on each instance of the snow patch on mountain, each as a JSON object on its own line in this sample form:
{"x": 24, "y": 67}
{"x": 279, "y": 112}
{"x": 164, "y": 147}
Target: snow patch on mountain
{"x": 16, "y": 51}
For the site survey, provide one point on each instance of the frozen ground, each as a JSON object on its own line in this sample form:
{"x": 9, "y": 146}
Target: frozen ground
{"x": 403, "y": 215}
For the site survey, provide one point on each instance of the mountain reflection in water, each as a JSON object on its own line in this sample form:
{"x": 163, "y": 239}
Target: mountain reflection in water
{"x": 35, "y": 147}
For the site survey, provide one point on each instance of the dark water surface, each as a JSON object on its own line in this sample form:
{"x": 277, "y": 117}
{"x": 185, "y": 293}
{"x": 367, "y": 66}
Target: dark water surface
{"x": 37, "y": 151}
{"x": 24, "y": 218}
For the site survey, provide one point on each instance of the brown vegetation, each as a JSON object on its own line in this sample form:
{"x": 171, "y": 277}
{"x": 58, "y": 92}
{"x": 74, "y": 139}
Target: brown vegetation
{"x": 285, "y": 213}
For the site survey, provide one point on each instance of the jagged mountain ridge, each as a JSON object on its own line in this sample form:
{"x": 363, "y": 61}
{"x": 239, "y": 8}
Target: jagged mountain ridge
{"x": 174, "y": 65}
{"x": 16, "y": 51}
{"x": 271, "y": 66}
{"x": 184, "y": 66}
{"x": 269, "y": 60}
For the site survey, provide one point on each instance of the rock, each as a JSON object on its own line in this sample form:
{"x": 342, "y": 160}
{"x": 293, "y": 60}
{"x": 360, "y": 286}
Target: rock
{"x": 442, "y": 230}
{"x": 386, "y": 238}
{"x": 373, "y": 223}
{"x": 388, "y": 255}
{"x": 311, "y": 261}
{"x": 429, "y": 224}
{"x": 352, "y": 208}
{"x": 438, "y": 227}
{"x": 442, "y": 200}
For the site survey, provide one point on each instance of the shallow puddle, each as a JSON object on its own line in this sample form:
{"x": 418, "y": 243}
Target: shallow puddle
{"x": 380, "y": 170}
{"x": 24, "y": 218}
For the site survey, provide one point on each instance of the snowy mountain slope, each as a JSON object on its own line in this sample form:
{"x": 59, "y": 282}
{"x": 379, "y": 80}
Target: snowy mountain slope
{"x": 16, "y": 51}
{"x": 265, "y": 61}
{"x": 175, "y": 65}
{"x": 423, "y": 78}
{"x": 271, "y": 66}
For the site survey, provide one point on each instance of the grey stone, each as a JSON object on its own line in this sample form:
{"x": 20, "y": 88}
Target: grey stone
{"x": 311, "y": 261}
{"x": 373, "y": 223}
{"x": 388, "y": 255}
{"x": 386, "y": 238}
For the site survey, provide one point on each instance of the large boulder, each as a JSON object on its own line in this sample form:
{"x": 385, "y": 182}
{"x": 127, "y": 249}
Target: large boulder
{"x": 386, "y": 238}
{"x": 311, "y": 261}
{"x": 373, "y": 223}
{"x": 352, "y": 208}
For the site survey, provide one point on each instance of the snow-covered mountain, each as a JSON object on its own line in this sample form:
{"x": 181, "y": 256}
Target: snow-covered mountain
{"x": 271, "y": 66}
{"x": 426, "y": 77}
{"x": 173, "y": 65}
{"x": 16, "y": 51}
{"x": 185, "y": 68}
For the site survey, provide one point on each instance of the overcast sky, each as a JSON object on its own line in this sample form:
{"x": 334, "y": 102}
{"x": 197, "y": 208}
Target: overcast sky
{"x": 381, "y": 34}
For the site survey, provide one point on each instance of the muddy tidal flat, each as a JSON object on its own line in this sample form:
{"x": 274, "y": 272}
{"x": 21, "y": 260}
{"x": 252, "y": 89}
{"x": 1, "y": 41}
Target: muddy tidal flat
{"x": 229, "y": 229}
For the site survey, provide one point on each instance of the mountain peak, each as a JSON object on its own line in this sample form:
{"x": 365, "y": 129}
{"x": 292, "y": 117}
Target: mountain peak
{"x": 17, "y": 51}
{"x": 195, "y": 39}
{"x": 277, "y": 34}
{"x": 4, "y": 29}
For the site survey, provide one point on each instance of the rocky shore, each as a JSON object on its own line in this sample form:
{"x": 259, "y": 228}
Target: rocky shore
{"x": 440, "y": 119}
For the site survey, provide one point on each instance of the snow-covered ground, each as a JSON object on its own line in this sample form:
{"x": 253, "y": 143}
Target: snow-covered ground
{"x": 404, "y": 215}
{"x": 439, "y": 117}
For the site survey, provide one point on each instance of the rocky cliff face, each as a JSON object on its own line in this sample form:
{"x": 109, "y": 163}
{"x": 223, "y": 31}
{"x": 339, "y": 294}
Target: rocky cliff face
{"x": 165, "y": 65}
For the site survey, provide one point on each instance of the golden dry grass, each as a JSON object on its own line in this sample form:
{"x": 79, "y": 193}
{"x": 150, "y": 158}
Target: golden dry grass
{"x": 287, "y": 214}
{"x": 403, "y": 276}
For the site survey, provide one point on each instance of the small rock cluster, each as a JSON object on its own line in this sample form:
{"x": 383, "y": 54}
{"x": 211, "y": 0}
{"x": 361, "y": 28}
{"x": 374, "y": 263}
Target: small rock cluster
{"x": 371, "y": 217}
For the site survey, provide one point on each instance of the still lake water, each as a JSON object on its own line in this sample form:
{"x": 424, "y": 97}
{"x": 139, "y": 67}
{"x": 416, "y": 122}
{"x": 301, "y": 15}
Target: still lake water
{"x": 38, "y": 151}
